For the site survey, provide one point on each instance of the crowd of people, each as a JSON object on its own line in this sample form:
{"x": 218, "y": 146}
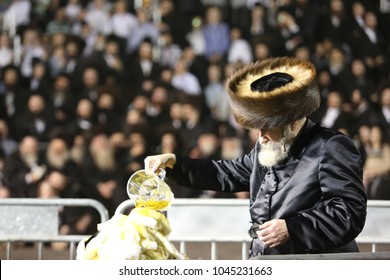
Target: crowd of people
{"x": 89, "y": 88}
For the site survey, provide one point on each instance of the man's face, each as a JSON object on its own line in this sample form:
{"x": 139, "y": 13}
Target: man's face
{"x": 273, "y": 134}
{"x": 275, "y": 144}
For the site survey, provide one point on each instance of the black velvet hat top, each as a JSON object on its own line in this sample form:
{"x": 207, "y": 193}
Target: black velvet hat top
{"x": 271, "y": 81}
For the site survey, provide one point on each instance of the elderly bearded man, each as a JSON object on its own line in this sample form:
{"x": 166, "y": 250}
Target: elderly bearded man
{"x": 305, "y": 181}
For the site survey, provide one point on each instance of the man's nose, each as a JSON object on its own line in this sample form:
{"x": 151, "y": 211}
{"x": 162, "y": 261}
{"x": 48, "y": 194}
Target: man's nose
{"x": 263, "y": 138}
{"x": 262, "y": 132}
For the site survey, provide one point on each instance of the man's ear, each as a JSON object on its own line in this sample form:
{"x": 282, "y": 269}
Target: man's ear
{"x": 293, "y": 125}
{"x": 297, "y": 125}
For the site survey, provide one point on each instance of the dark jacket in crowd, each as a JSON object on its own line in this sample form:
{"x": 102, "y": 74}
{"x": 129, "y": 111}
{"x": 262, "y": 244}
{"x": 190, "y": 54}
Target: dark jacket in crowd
{"x": 15, "y": 172}
{"x": 318, "y": 190}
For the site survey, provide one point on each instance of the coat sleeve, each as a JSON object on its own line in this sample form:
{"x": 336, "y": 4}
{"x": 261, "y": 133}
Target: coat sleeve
{"x": 221, "y": 176}
{"x": 340, "y": 214}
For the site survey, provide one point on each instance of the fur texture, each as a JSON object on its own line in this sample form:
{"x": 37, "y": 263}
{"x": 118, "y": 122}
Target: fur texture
{"x": 279, "y": 107}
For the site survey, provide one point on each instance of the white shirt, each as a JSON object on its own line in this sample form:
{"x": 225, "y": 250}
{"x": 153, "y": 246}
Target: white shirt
{"x": 5, "y": 56}
{"x": 187, "y": 82}
{"x": 335, "y": 21}
{"x": 360, "y": 21}
{"x": 386, "y": 113}
{"x": 330, "y": 117}
{"x": 240, "y": 50}
{"x": 19, "y": 12}
{"x": 72, "y": 11}
{"x": 98, "y": 20}
{"x": 30, "y": 52}
{"x": 146, "y": 66}
{"x": 371, "y": 35}
{"x": 123, "y": 25}
{"x": 217, "y": 101}
{"x": 170, "y": 55}
{"x": 197, "y": 42}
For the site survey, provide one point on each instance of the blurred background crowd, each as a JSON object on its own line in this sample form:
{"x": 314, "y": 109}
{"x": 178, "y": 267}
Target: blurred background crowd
{"x": 89, "y": 88}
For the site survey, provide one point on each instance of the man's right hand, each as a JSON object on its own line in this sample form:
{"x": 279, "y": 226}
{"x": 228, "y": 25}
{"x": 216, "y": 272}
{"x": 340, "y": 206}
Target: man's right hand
{"x": 154, "y": 163}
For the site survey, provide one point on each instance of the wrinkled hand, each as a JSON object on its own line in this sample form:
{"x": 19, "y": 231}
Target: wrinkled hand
{"x": 154, "y": 163}
{"x": 273, "y": 233}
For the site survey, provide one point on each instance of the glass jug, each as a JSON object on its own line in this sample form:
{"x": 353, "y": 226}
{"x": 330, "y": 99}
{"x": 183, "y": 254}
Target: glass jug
{"x": 147, "y": 189}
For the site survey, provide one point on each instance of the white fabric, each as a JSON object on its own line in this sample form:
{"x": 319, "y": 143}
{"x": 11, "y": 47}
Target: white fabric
{"x": 123, "y": 25}
{"x": 187, "y": 82}
{"x": 386, "y": 113}
{"x": 240, "y": 50}
{"x": 371, "y": 35}
{"x": 330, "y": 117}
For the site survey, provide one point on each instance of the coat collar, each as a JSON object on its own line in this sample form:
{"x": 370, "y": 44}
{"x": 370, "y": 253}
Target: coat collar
{"x": 286, "y": 168}
{"x": 303, "y": 138}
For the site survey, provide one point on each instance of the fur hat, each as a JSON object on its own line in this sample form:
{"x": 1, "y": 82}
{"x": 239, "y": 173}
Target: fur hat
{"x": 273, "y": 92}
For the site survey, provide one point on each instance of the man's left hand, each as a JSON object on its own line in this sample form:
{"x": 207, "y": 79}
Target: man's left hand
{"x": 273, "y": 233}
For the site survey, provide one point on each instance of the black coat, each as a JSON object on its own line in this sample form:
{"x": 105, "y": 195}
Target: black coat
{"x": 317, "y": 190}
{"x": 15, "y": 172}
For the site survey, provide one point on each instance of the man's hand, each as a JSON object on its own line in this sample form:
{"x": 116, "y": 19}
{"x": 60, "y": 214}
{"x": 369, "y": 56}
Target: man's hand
{"x": 273, "y": 233}
{"x": 154, "y": 163}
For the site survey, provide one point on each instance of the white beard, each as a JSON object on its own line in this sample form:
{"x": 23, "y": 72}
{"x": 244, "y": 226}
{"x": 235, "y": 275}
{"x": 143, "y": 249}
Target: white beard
{"x": 272, "y": 153}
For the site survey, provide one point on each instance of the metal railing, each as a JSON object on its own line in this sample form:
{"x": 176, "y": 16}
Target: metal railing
{"x": 377, "y": 228}
{"x": 213, "y": 221}
{"x": 227, "y": 220}
{"x": 36, "y": 220}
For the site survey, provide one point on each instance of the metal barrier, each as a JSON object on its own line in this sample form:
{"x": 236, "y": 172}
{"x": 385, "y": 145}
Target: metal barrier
{"x": 333, "y": 256}
{"x": 206, "y": 220}
{"x": 227, "y": 220}
{"x": 192, "y": 220}
{"x": 37, "y": 220}
{"x": 377, "y": 228}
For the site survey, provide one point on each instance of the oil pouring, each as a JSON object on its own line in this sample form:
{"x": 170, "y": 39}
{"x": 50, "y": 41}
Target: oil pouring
{"x": 149, "y": 190}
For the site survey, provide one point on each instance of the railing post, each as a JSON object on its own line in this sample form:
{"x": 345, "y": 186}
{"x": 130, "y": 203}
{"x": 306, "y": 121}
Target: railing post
{"x": 244, "y": 251}
{"x": 213, "y": 250}
{"x": 40, "y": 250}
{"x": 183, "y": 248}
{"x": 72, "y": 248}
{"x": 9, "y": 250}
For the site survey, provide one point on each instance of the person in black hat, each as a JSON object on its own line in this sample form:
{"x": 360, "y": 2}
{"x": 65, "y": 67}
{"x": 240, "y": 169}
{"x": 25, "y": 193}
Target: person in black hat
{"x": 304, "y": 180}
